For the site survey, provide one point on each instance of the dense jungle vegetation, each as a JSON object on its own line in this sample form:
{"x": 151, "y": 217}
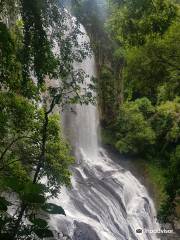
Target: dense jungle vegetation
{"x": 36, "y": 75}
{"x": 148, "y": 120}
{"x": 136, "y": 43}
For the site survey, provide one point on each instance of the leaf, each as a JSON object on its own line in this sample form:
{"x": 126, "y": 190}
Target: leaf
{"x": 33, "y": 193}
{"x": 52, "y": 208}
{"x": 13, "y": 183}
{"x": 39, "y": 222}
{"x": 34, "y": 198}
{"x": 43, "y": 233}
{"x": 34, "y": 188}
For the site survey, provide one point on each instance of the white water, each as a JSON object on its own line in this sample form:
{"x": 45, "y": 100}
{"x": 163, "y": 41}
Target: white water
{"x": 106, "y": 201}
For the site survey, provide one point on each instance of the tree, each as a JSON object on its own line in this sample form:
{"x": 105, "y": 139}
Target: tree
{"x": 147, "y": 38}
{"x": 168, "y": 212}
{"x": 166, "y": 124}
{"x": 152, "y": 70}
{"x": 37, "y": 74}
{"x": 132, "y": 22}
{"x": 133, "y": 130}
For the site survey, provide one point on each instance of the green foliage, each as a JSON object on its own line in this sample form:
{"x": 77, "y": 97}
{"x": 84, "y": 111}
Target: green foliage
{"x": 132, "y": 130}
{"x": 147, "y": 37}
{"x": 58, "y": 157}
{"x": 35, "y": 49}
{"x": 156, "y": 175}
{"x": 153, "y": 131}
{"x": 33, "y": 193}
{"x": 16, "y": 113}
{"x": 142, "y": 77}
{"x": 133, "y": 21}
{"x": 9, "y": 64}
{"x": 166, "y": 124}
{"x": 106, "y": 91}
{"x": 167, "y": 211}
{"x": 152, "y": 70}
{"x": 15, "y": 174}
{"x": 39, "y": 222}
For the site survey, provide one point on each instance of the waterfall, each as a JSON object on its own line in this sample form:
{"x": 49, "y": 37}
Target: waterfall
{"x": 105, "y": 201}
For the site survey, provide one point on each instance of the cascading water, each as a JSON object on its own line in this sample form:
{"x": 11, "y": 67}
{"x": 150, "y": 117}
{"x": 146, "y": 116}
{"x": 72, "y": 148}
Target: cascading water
{"x": 105, "y": 202}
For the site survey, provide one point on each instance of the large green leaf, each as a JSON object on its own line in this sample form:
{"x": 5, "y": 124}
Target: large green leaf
{"x": 33, "y": 198}
{"x": 41, "y": 223}
{"x": 53, "y": 209}
{"x": 31, "y": 187}
{"x": 13, "y": 183}
{"x": 33, "y": 193}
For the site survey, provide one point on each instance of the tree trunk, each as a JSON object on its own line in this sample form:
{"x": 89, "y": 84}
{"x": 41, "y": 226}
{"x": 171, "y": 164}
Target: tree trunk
{"x": 43, "y": 148}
